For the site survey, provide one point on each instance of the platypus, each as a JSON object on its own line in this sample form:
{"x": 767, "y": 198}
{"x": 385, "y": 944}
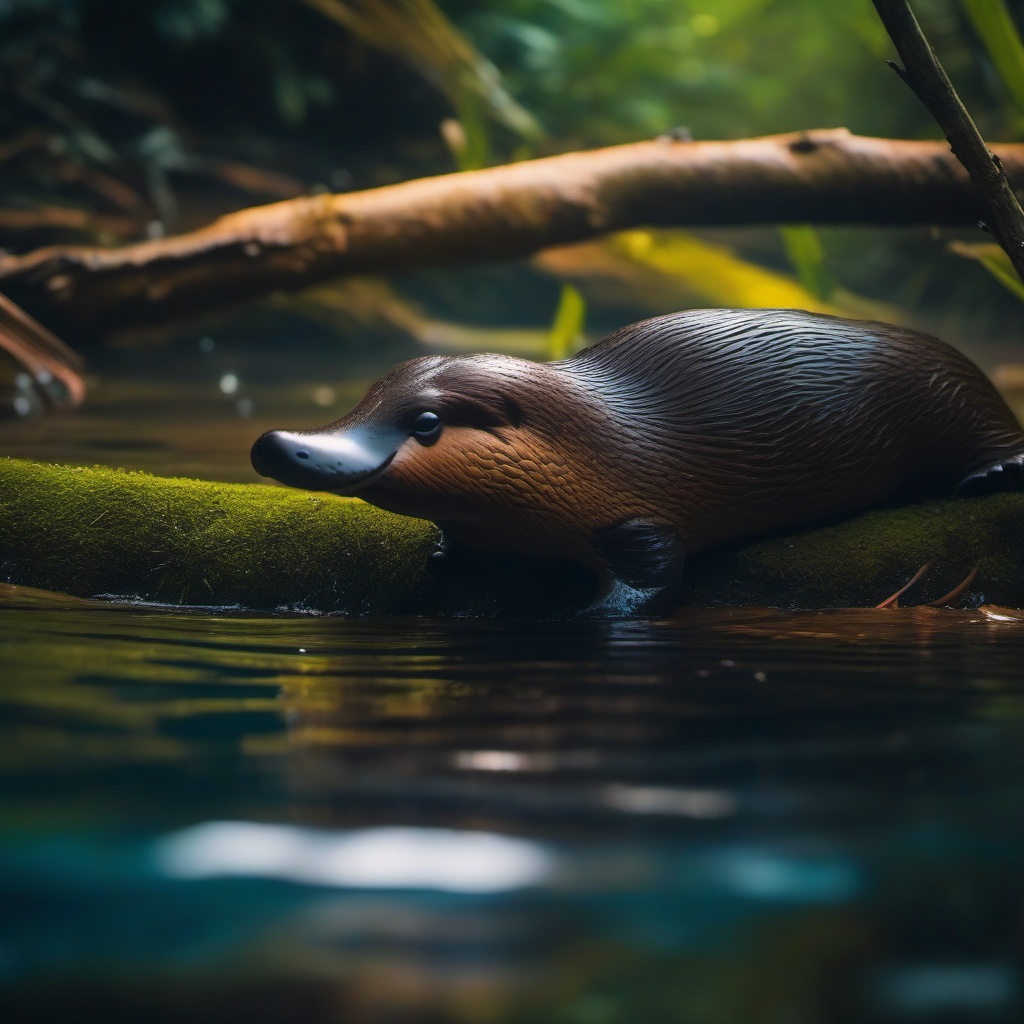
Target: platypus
{"x": 665, "y": 438}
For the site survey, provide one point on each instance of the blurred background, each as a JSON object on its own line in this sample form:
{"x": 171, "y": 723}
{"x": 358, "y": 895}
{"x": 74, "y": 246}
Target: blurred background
{"x": 124, "y": 121}
{"x": 725, "y": 818}
{"x": 121, "y": 122}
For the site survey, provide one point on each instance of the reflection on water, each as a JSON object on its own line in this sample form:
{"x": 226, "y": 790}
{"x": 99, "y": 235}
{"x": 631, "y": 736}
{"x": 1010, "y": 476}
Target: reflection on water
{"x": 721, "y": 817}
{"x": 444, "y": 860}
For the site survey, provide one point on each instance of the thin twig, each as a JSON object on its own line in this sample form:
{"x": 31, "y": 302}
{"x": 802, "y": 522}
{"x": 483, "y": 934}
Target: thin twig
{"x": 927, "y": 78}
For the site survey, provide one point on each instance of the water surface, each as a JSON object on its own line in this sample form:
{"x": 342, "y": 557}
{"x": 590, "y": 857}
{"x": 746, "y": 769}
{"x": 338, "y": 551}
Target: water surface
{"x": 748, "y": 817}
{"x": 709, "y": 816}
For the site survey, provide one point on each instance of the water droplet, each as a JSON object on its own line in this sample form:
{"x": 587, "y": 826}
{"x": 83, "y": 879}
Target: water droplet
{"x": 206, "y": 345}
{"x": 229, "y": 383}
{"x": 324, "y": 395}
{"x": 245, "y": 407}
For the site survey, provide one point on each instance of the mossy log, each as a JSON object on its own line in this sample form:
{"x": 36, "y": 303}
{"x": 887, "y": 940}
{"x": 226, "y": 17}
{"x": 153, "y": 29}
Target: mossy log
{"x": 132, "y": 536}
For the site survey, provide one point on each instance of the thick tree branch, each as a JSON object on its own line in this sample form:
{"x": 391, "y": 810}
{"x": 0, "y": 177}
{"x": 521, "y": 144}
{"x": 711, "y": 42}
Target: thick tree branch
{"x": 502, "y": 212}
{"x": 924, "y": 74}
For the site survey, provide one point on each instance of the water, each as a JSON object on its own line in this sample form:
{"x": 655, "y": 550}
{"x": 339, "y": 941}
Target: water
{"x": 722, "y": 817}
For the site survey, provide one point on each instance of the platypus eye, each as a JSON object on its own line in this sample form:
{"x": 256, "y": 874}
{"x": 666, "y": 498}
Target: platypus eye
{"x": 427, "y": 427}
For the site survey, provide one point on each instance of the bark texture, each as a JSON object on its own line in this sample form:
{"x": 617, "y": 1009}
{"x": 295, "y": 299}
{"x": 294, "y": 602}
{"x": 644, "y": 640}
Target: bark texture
{"x": 827, "y": 176}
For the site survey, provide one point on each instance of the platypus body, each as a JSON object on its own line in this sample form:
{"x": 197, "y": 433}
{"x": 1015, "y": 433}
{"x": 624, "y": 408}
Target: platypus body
{"x": 665, "y": 438}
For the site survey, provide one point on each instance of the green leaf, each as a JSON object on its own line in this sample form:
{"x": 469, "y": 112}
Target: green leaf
{"x": 719, "y": 276}
{"x": 474, "y": 149}
{"x": 807, "y": 257}
{"x": 991, "y": 20}
{"x": 994, "y": 260}
{"x": 567, "y": 328}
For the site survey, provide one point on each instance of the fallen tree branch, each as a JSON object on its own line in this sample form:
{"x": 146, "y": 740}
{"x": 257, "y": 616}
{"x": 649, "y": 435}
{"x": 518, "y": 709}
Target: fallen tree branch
{"x": 923, "y": 72}
{"x": 132, "y": 536}
{"x": 827, "y": 176}
{"x": 55, "y": 371}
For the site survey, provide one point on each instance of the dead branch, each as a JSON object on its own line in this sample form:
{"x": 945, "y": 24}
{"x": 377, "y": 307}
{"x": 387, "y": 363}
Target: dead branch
{"x": 827, "y": 176}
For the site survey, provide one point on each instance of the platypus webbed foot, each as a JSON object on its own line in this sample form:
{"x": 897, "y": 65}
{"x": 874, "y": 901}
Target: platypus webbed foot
{"x": 643, "y": 563}
{"x": 1006, "y": 475}
{"x": 618, "y": 600}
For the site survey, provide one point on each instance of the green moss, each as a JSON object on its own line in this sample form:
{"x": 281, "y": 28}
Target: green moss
{"x": 862, "y": 561}
{"x": 101, "y": 531}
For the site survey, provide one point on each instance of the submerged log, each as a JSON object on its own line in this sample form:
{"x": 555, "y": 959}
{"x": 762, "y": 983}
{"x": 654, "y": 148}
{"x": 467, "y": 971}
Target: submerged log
{"x": 827, "y": 176}
{"x": 135, "y": 537}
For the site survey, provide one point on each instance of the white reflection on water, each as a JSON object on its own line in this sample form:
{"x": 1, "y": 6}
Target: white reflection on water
{"x": 372, "y": 858}
{"x": 496, "y": 761}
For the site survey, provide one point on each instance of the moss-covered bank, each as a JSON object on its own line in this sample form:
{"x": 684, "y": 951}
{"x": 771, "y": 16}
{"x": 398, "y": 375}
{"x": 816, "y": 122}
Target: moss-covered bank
{"x": 108, "y": 532}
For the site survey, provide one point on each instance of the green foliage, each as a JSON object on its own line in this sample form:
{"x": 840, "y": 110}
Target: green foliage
{"x": 470, "y": 142}
{"x": 992, "y": 21}
{"x": 994, "y": 259}
{"x": 715, "y": 274}
{"x": 602, "y": 71}
{"x": 419, "y": 33}
{"x": 566, "y": 333}
{"x": 807, "y": 256}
